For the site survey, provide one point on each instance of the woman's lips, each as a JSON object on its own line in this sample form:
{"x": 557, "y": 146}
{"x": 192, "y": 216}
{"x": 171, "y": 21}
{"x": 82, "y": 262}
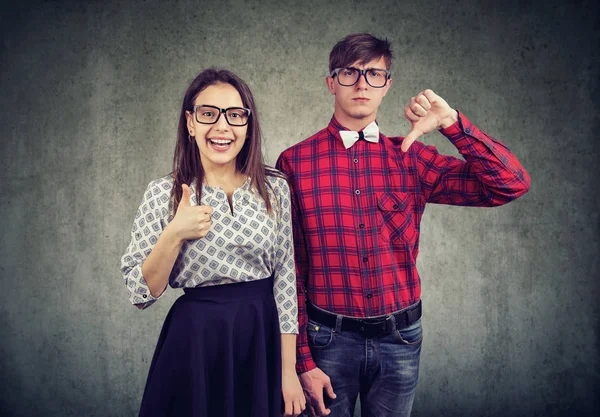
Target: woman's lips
{"x": 220, "y": 145}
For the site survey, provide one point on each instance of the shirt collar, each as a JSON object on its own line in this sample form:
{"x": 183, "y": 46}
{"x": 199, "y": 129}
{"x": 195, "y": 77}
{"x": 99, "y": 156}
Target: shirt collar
{"x": 240, "y": 195}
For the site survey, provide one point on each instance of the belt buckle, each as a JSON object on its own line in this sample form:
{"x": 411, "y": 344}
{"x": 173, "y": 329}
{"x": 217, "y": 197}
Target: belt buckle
{"x": 370, "y": 330}
{"x": 364, "y": 329}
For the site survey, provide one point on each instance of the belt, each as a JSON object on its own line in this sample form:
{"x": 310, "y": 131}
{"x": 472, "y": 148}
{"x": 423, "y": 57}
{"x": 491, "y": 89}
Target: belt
{"x": 367, "y": 327}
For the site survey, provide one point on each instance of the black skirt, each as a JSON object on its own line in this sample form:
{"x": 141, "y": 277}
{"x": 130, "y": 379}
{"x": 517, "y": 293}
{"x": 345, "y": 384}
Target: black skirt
{"x": 218, "y": 355}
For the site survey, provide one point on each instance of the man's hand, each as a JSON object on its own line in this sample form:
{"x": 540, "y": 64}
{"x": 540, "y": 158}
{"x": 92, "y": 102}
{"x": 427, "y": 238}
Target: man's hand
{"x": 427, "y": 112}
{"x": 314, "y": 382}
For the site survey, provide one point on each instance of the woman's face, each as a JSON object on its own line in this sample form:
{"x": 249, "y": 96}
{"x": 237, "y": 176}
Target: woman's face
{"x": 219, "y": 143}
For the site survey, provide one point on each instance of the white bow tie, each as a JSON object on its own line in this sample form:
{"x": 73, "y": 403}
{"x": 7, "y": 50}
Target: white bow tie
{"x": 370, "y": 133}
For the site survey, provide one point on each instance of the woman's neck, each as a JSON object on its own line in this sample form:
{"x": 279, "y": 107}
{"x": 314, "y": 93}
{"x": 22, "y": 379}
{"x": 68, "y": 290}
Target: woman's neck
{"x": 228, "y": 179}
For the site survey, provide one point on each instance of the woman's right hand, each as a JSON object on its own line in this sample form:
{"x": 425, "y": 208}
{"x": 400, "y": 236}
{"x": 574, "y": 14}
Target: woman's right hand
{"x": 190, "y": 222}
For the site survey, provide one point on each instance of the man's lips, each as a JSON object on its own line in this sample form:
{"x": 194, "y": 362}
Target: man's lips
{"x": 360, "y": 99}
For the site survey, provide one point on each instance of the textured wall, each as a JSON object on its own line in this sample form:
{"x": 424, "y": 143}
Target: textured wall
{"x": 89, "y": 97}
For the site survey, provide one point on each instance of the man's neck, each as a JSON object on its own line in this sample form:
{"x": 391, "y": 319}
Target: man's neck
{"x": 352, "y": 123}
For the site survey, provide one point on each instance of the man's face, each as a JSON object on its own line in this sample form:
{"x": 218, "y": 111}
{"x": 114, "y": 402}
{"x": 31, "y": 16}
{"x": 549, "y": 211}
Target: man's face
{"x": 358, "y": 104}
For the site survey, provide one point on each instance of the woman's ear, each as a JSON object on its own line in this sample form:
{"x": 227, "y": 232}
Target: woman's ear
{"x": 190, "y": 122}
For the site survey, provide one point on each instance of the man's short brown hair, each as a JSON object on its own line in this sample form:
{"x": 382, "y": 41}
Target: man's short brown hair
{"x": 361, "y": 48}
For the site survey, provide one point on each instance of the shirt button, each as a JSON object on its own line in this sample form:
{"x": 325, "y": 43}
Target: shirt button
{"x": 467, "y": 130}
{"x": 145, "y": 296}
{"x": 369, "y": 295}
{"x": 356, "y": 160}
{"x": 395, "y": 206}
{"x": 357, "y": 192}
{"x": 365, "y": 259}
{"x": 362, "y": 225}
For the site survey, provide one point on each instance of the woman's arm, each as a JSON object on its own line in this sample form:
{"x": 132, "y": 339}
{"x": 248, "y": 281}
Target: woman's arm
{"x": 293, "y": 396}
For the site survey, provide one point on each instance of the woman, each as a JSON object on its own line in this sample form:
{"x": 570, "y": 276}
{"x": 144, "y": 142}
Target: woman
{"x": 219, "y": 227}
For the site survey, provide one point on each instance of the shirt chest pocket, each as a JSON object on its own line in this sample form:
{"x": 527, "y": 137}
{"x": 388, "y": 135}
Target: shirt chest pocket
{"x": 396, "y": 217}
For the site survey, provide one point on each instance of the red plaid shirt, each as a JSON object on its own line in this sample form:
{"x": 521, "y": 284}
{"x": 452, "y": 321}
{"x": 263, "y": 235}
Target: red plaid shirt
{"x": 356, "y": 213}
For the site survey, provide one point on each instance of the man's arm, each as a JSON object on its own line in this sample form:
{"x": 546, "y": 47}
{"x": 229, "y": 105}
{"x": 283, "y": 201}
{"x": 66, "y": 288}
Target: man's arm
{"x": 314, "y": 381}
{"x": 490, "y": 175}
{"x": 304, "y": 361}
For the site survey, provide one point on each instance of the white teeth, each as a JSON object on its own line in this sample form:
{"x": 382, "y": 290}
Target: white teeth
{"x": 221, "y": 141}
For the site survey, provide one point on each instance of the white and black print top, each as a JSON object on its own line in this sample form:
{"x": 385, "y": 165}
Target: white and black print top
{"x": 244, "y": 243}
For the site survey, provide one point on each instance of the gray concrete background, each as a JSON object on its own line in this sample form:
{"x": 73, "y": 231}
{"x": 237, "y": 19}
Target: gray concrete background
{"x": 89, "y": 97}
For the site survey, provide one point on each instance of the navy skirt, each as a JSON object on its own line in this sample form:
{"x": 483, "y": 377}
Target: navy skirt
{"x": 218, "y": 355}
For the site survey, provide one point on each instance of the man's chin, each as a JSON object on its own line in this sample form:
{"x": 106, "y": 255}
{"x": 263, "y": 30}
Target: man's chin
{"x": 360, "y": 114}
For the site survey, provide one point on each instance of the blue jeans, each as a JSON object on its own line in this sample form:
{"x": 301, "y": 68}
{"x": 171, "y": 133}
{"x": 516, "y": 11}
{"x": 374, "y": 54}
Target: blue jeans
{"x": 384, "y": 370}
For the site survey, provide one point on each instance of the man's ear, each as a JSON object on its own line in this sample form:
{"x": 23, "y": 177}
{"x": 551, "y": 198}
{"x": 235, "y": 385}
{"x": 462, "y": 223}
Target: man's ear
{"x": 330, "y": 84}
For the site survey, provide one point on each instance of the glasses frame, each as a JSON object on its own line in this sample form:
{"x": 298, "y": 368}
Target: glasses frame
{"x": 221, "y": 111}
{"x": 361, "y": 72}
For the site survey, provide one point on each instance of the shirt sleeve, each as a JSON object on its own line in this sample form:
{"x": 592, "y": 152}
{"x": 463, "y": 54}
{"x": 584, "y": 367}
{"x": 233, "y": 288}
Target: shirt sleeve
{"x": 304, "y": 360}
{"x": 284, "y": 280}
{"x": 147, "y": 227}
{"x": 489, "y": 176}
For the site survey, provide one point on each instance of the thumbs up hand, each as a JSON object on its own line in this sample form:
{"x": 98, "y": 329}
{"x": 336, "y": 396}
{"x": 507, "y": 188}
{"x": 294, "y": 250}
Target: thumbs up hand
{"x": 427, "y": 112}
{"x": 191, "y": 222}
{"x": 186, "y": 196}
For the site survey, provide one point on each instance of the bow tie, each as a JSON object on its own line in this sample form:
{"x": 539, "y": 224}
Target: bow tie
{"x": 370, "y": 133}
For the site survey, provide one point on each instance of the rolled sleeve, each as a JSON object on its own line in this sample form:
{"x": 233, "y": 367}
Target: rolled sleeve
{"x": 147, "y": 227}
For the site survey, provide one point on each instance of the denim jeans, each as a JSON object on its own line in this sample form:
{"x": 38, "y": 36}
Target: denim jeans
{"x": 384, "y": 370}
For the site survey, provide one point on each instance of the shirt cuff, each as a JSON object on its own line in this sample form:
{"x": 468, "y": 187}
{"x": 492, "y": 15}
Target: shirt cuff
{"x": 463, "y": 133}
{"x": 139, "y": 293}
{"x": 457, "y": 127}
{"x": 288, "y": 328}
{"x": 304, "y": 362}
{"x": 305, "y": 367}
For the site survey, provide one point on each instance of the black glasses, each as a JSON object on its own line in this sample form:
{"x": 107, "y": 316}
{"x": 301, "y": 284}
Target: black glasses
{"x": 347, "y": 77}
{"x": 209, "y": 115}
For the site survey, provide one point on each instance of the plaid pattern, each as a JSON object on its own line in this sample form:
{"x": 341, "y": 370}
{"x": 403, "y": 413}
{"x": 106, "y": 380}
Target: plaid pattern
{"x": 356, "y": 213}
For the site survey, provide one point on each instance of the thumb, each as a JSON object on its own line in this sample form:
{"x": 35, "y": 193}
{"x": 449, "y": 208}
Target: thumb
{"x": 410, "y": 138}
{"x": 329, "y": 390}
{"x": 185, "y": 196}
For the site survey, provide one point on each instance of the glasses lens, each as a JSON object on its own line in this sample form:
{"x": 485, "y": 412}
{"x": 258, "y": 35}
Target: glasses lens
{"x": 237, "y": 116}
{"x": 207, "y": 114}
{"x": 348, "y": 76}
{"x": 376, "y": 78}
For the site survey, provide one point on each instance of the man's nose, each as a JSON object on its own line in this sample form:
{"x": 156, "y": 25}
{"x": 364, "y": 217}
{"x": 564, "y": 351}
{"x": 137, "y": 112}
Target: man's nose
{"x": 362, "y": 84}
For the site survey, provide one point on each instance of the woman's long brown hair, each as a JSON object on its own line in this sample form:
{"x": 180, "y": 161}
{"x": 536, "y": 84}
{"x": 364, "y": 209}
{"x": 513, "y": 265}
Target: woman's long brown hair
{"x": 187, "y": 166}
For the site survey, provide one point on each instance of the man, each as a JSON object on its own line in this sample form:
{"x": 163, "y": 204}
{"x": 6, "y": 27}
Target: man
{"x": 358, "y": 198}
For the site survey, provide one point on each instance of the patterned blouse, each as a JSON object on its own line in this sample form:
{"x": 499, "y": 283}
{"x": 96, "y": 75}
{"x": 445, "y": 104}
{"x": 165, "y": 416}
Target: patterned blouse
{"x": 243, "y": 244}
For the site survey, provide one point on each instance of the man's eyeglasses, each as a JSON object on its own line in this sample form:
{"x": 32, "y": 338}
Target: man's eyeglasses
{"x": 375, "y": 77}
{"x": 209, "y": 115}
